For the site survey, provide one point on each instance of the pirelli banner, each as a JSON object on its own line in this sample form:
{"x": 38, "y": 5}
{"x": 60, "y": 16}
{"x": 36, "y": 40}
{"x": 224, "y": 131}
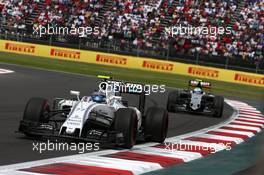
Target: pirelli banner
{"x": 147, "y": 64}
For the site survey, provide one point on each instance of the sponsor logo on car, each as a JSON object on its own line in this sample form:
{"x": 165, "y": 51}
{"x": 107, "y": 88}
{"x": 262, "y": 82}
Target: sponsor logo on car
{"x": 65, "y": 53}
{"x": 111, "y": 59}
{"x": 249, "y": 79}
{"x": 20, "y": 48}
{"x": 203, "y": 72}
{"x": 155, "y": 65}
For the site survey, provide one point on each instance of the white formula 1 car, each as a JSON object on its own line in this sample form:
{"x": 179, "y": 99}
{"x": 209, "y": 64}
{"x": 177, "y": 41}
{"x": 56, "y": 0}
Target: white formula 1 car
{"x": 196, "y": 100}
{"x": 100, "y": 117}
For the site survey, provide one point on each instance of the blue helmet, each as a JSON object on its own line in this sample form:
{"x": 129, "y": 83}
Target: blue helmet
{"x": 98, "y": 97}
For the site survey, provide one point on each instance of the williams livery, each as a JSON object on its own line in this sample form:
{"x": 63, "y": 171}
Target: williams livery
{"x": 195, "y": 99}
{"x": 102, "y": 116}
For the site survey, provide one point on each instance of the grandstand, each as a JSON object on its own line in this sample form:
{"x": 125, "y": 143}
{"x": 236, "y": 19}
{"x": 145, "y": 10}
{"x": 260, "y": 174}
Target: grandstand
{"x": 137, "y": 27}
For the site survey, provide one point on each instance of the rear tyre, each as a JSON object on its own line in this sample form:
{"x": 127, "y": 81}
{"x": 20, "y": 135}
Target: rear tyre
{"x": 156, "y": 124}
{"x": 126, "y": 123}
{"x": 218, "y": 106}
{"x": 173, "y": 99}
{"x": 37, "y": 110}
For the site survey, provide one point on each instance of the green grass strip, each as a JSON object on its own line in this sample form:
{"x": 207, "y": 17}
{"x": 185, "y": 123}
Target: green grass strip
{"x": 171, "y": 80}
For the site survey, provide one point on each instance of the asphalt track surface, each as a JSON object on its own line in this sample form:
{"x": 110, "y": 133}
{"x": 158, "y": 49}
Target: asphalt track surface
{"x": 16, "y": 88}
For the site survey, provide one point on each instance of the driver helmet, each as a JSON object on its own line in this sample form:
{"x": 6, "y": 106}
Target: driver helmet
{"x": 197, "y": 91}
{"x": 98, "y": 97}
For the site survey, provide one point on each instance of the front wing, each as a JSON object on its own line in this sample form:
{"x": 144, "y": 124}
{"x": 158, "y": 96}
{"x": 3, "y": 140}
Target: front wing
{"x": 44, "y": 130}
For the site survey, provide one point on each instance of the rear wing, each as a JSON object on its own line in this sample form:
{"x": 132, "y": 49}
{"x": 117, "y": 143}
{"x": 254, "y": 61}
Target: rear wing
{"x": 122, "y": 87}
{"x": 200, "y": 84}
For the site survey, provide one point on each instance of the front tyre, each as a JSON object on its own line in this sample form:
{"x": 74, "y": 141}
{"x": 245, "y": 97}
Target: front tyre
{"x": 126, "y": 123}
{"x": 218, "y": 106}
{"x": 156, "y": 124}
{"x": 36, "y": 111}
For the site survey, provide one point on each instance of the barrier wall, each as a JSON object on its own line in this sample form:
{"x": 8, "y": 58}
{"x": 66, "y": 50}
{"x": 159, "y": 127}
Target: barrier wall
{"x": 132, "y": 62}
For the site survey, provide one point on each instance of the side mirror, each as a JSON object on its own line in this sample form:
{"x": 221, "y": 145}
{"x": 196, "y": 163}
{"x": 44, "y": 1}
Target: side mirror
{"x": 76, "y": 93}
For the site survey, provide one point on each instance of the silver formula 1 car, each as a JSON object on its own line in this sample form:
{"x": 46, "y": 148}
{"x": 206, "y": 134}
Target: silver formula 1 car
{"x": 101, "y": 117}
{"x": 195, "y": 99}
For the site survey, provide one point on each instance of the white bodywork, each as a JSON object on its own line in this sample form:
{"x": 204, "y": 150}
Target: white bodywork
{"x": 196, "y": 100}
{"x": 81, "y": 109}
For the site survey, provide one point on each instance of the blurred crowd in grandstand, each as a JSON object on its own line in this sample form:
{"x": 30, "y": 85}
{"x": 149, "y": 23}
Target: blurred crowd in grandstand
{"x": 138, "y": 25}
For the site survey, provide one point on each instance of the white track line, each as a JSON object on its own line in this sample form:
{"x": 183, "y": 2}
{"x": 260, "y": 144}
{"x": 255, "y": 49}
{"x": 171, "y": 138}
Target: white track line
{"x": 218, "y": 137}
{"x": 251, "y": 119}
{"x": 248, "y": 123}
{"x": 249, "y": 116}
{"x": 244, "y": 127}
{"x": 5, "y": 71}
{"x": 184, "y": 155}
{"x": 249, "y": 134}
{"x": 137, "y": 167}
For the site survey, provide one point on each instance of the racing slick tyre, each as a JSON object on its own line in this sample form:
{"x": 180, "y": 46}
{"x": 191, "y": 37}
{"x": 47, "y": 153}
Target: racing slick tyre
{"x": 218, "y": 106}
{"x": 126, "y": 123}
{"x": 173, "y": 99}
{"x": 37, "y": 110}
{"x": 156, "y": 124}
